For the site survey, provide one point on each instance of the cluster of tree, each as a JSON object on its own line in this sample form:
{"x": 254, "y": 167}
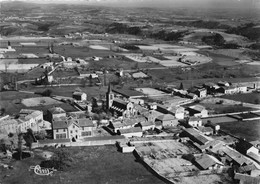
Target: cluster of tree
{"x": 45, "y": 26}
{"x": 215, "y": 39}
{"x": 5, "y": 31}
{"x": 118, "y": 28}
{"x": 255, "y": 46}
{"x": 169, "y": 36}
{"x": 46, "y": 92}
{"x": 248, "y": 30}
{"x": 130, "y": 47}
{"x": 203, "y": 24}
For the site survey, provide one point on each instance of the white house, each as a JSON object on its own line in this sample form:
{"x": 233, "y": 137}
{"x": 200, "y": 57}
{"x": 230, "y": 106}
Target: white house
{"x": 198, "y": 111}
{"x": 29, "y": 118}
{"x": 131, "y": 132}
{"x": 79, "y": 96}
{"x": 72, "y": 128}
{"x": 195, "y": 122}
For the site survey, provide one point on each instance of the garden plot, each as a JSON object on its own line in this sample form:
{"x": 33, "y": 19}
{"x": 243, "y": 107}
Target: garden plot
{"x": 38, "y": 101}
{"x": 98, "y": 47}
{"x": 17, "y": 67}
{"x": 140, "y": 59}
{"x": 29, "y": 55}
{"x": 151, "y": 92}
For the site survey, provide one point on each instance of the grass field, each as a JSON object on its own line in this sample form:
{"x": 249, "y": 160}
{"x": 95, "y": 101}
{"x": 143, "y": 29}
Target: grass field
{"x": 67, "y": 91}
{"x": 92, "y": 165}
{"x": 248, "y": 97}
{"x": 80, "y": 52}
{"x": 11, "y": 101}
{"x": 245, "y": 129}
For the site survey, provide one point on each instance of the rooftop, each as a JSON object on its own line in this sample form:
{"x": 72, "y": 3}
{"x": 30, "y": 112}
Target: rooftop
{"x": 128, "y": 93}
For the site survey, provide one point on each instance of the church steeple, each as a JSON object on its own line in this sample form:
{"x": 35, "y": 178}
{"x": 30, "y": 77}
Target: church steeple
{"x": 109, "y": 96}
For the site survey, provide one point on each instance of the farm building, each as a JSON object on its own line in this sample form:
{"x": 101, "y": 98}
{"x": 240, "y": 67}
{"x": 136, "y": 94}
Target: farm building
{"x": 55, "y": 112}
{"x": 245, "y": 147}
{"x": 198, "y": 111}
{"x": 131, "y": 132}
{"x": 147, "y": 125}
{"x": 208, "y": 162}
{"x": 206, "y": 130}
{"x": 127, "y": 93}
{"x": 79, "y": 96}
{"x": 9, "y": 125}
{"x": 195, "y": 122}
{"x": 167, "y": 120}
{"x": 29, "y": 118}
{"x": 196, "y": 136}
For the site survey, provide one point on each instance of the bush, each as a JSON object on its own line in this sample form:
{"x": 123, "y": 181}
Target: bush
{"x": 61, "y": 160}
{"x": 47, "y": 92}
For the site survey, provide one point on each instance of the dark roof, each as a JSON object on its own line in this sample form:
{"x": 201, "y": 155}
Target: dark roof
{"x": 205, "y": 129}
{"x": 85, "y": 122}
{"x": 60, "y": 124}
{"x": 242, "y": 146}
{"x": 166, "y": 117}
{"x": 207, "y": 161}
{"x": 247, "y": 168}
{"x": 128, "y": 93}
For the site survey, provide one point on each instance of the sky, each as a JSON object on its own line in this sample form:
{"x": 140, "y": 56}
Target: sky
{"x": 162, "y": 3}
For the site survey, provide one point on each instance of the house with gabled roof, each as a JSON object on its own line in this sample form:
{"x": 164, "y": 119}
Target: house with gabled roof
{"x": 79, "y": 96}
{"x": 245, "y": 147}
{"x": 167, "y": 120}
{"x": 208, "y": 162}
{"x": 198, "y": 111}
{"x": 71, "y": 128}
{"x": 29, "y": 118}
{"x": 55, "y": 112}
{"x": 131, "y": 132}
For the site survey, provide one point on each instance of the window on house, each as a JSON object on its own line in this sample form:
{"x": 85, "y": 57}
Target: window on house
{"x": 76, "y": 130}
{"x": 57, "y": 130}
{"x": 73, "y": 126}
{"x": 71, "y": 131}
{"x": 64, "y": 130}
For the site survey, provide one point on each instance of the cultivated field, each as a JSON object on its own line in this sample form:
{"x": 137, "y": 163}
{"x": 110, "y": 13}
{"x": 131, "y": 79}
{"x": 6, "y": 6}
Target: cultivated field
{"x": 248, "y": 97}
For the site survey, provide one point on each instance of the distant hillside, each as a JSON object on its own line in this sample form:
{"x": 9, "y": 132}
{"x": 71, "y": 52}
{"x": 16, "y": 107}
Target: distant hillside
{"x": 203, "y": 24}
{"x": 250, "y": 30}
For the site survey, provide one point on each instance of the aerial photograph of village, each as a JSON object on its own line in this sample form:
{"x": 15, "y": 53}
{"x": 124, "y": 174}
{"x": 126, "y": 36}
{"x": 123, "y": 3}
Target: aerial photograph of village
{"x": 130, "y": 92}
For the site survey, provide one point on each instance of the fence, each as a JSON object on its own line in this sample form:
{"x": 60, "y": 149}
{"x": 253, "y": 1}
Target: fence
{"x": 95, "y": 141}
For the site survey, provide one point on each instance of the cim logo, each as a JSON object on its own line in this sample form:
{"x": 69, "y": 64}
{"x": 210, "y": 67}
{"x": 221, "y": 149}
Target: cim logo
{"x": 42, "y": 171}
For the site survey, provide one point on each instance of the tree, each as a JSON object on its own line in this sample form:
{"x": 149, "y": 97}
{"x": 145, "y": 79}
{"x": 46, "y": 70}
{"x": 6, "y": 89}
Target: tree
{"x": 90, "y": 81}
{"x": 20, "y": 145}
{"x": 181, "y": 87}
{"x": 46, "y": 92}
{"x": 2, "y": 111}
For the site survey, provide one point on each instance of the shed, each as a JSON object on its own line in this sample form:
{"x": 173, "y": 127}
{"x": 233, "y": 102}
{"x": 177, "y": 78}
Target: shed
{"x": 208, "y": 162}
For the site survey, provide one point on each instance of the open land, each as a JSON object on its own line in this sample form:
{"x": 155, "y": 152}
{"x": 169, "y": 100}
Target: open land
{"x": 91, "y": 165}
